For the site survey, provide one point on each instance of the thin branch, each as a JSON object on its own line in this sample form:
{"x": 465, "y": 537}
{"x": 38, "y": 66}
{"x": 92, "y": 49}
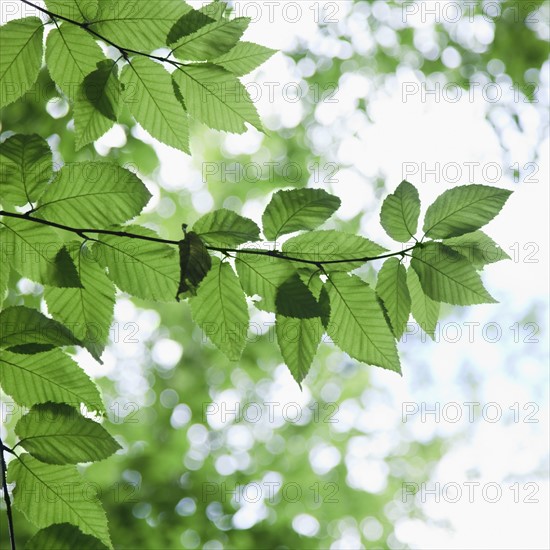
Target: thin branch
{"x": 82, "y": 233}
{"x": 86, "y": 26}
{"x": 7, "y": 499}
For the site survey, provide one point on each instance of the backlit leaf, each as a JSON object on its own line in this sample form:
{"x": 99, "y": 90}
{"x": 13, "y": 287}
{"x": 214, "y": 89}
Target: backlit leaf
{"x": 4, "y": 280}
{"x": 59, "y": 434}
{"x": 97, "y": 103}
{"x": 262, "y": 275}
{"x": 216, "y": 97}
{"x": 333, "y": 248}
{"x": 209, "y": 41}
{"x": 50, "y": 376}
{"x": 425, "y": 310}
{"x": 21, "y": 58}
{"x": 478, "y": 248}
{"x": 221, "y": 311}
{"x": 400, "y": 211}
{"x": 71, "y": 55}
{"x": 141, "y": 26}
{"x": 63, "y": 536}
{"x": 447, "y": 276}
{"x": 298, "y": 341}
{"x": 244, "y": 58}
{"x": 149, "y": 94}
{"x": 189, "y": 23}
{"x": 195, "y": 263}
{"x": 392, "y": 288}
{"x": 68, "y": 495}
{"x": 93, "y": 195}
{"x": 294, "y": 299}
{"x": 463, "y": 209}
{"x": 77, "y": 10}
{"x": 25, "y": 168}
{"x": 20, "y": 325}
{"x": 30, "y": 248}
{"x": 146, "y": 269}
{"x": 297, "y": 209}
{"x": 89, "y": 309}
{"x": 357, "y": 324}
{"x": 224, "y": 228}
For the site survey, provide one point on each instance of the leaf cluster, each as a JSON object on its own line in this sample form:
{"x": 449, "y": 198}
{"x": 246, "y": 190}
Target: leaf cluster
{"x": 222, "y": 265}
{"x": 100, "y": 56}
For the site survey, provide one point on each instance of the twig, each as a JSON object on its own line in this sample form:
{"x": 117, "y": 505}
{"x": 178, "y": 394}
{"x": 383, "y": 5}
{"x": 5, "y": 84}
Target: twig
{"x": 7, "y": 499}
{"x": 81, "y": 232}
{"x": 86, "y": 26}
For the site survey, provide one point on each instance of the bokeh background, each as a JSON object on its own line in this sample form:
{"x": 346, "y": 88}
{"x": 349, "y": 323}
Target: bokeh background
{"x": 233, "y": 455}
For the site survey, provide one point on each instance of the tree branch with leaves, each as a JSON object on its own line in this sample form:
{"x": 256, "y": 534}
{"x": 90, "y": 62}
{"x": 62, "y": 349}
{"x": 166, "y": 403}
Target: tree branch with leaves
{"x": 69, "y": 231}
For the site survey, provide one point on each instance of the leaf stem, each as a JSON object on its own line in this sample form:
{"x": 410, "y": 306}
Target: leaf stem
{"x": 7, "y": 499}
{"x": 81, "y": 232}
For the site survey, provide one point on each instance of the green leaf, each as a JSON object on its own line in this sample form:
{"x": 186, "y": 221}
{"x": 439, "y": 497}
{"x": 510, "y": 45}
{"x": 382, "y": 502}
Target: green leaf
{"x": 21, "y": 59}
{"x": 214, "y": 10}
{"x": 221, "y": 311}
{"x": 216, "y": 97}
{"x": 392, "y": 289}
{"x": 357, "y": 324}
{"x": 71, "y": 55}
{"x": 298, "y": 340}
{"x": 63, "y": 536}
{"x": 67, "y": 276}
{"x": 92, "y": 194}
{"x": 318, "y": 288}
{"x": 189, "y": 23}
{"x": 89, "y": 309}
{"x": 299, "y": 334}
{"x": 149, "y": 94}
{"x": 297, "y": 209}
{"x": 447, "y": 276}
{"x": 142, "y": 268}
{"x": 224, "y": 228}
{"x": 4, "y": 280}
{"x": 463, "y": 209}
{"x": 424, "y": 309}
{"x": 59, "y": 434}
{"x": 44, "y": 377}
{"x": 141, "y": 26}
{"x": 333, "y": 246}
{"x": 400, "y": 212}
{"x": 310, "y": 277}
{"x": 195, "y": 263}
{"x": 244, "y": 58}
{"x": 294, "y": 299}
{"x": 478, "y": 248}
{"x": 209, "y": 41}
{"x": 25, "y": 168}
{"x": 77, "y": 10}
{"x": 20, "y": 325}
{"x": 49, "y": 494}
{"x": 262, "y": 276}
{"x": 31, "y": 249}
{"x": 97, "y": 103}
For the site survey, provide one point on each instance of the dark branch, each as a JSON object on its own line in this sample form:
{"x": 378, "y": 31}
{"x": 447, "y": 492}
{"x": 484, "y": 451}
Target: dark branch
{"x": 86, "y": 26}
{"x": 83, "y": 233}
{"x": 7, "y": 499}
